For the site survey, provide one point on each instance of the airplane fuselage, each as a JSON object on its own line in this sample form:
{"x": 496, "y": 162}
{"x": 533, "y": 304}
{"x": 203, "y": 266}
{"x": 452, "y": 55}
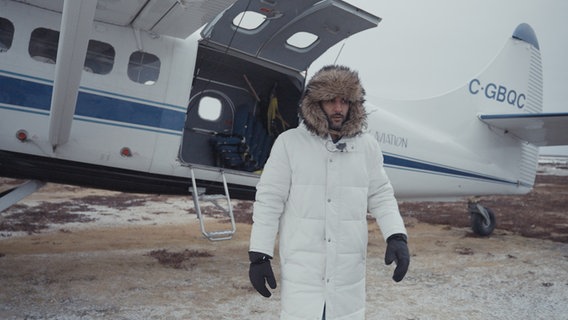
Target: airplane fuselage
{"x": 124, "y": 129}
{"x": 140, "y": 121}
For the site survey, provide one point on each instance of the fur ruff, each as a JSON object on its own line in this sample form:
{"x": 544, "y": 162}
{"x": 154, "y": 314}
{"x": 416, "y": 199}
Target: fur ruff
{"x": 328, "y": 83}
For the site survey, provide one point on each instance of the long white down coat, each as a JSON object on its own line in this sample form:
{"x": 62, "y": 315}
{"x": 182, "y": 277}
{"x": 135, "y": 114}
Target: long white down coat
{"x": 317, "y": 198}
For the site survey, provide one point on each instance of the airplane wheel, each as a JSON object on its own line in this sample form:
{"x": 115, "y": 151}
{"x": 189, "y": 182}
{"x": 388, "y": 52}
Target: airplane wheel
{"x": 481, "y": 225}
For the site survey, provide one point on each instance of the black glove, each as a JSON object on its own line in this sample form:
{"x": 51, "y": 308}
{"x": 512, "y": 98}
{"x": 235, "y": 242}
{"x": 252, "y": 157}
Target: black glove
{"x": 260, "y": 272}
{"x": 397, "y": 251}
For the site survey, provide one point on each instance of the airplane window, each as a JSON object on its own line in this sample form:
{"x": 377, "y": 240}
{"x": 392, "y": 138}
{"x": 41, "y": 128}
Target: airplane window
{"x": 43, "y": 45}
{"x": 100, "y": 57}
{"x": 209, "y": 108}
{"x": 249, "y": 20}
{"x": 302, "y": 40}
{"x": 144, "y": 68}
{"x": 6, "y": 34}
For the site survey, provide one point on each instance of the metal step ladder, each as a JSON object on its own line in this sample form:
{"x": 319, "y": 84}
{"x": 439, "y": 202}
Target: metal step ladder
{"x": 217, "y": 235}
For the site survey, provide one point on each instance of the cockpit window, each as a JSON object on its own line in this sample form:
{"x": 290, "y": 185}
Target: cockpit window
{"x": 100, "y": 57}
{"x": 43, "y": 45}
{"x": 144, "y": 68}
{"x": 6, "y": 34}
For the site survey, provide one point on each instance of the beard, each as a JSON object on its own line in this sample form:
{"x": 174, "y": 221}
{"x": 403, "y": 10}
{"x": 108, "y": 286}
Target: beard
{"x": 336, "y": 121}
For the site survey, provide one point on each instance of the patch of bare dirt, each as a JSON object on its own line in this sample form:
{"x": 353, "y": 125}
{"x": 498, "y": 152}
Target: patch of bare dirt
{"x": 542, "y": 213}
{"x": 178, "y": 260}
{"x": 37, "y": 218}
{"x": 120, "y": 201}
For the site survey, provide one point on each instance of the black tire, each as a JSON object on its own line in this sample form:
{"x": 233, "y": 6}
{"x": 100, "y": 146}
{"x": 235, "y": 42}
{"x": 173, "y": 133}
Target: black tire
{"x": 480, "y": 226}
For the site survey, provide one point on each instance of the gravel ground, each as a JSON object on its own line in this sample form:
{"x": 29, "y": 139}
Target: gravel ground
{"x": 74, "y": 253}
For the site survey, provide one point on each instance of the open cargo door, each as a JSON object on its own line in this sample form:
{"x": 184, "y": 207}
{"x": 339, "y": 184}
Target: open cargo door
{"x": 291, "y": 33}
{"x": 251, "y": 54}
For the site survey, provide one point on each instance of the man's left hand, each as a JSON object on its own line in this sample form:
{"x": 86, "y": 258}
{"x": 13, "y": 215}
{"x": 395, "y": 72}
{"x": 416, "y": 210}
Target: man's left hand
{"x": 397, "y": 251}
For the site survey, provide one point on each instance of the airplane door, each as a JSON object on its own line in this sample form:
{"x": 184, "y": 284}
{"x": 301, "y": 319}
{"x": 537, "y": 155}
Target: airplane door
{"x": 252, "y": 52}
{"x": 291, "y": 33}
{"x": 211, "y": 112}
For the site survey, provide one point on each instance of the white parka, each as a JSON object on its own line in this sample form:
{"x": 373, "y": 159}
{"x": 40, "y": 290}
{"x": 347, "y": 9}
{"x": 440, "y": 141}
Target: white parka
{"x": 316, "y": 195}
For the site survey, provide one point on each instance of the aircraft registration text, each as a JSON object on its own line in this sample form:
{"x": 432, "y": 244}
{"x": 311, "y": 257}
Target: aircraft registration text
{"x": 498, "y": 93}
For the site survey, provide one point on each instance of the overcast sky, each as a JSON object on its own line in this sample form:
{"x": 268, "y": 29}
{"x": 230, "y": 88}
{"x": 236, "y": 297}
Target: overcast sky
{"x": 427, "y": 48}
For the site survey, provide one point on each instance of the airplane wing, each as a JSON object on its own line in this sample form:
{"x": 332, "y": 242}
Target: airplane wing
{"x": 540, "y": 129}
{"x": 177, "y": 18}
{"x": 174, "y": 18}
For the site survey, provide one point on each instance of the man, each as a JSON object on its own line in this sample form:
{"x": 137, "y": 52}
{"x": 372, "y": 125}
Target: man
{"x": 315, "y": 191}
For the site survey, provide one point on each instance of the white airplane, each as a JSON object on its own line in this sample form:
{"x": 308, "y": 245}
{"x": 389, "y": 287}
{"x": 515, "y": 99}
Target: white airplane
{"x": 140, "y": 96}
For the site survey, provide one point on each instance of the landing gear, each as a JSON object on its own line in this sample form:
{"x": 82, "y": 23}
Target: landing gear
{"x": 482, "y": 219}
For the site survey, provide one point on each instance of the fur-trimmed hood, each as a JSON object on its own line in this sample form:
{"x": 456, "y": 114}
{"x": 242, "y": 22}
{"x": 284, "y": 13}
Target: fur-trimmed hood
{"x": 328, "y": 83}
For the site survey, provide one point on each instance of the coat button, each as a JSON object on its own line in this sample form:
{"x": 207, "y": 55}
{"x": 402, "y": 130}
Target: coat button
{"x": 328, "y": 200}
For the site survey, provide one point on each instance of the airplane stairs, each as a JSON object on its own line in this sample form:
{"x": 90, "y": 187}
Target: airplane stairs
{"x": 217, "y": 235}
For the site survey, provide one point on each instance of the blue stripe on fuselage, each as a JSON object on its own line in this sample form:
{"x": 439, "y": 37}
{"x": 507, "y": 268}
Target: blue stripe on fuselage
{"x": 25, "y": 93}
{"x": 100, "y": 107}
{"x": 34, "y": 95}
{"x": 409, "y": 164}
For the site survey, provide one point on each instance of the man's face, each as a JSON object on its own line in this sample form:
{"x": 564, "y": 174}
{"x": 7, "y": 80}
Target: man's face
{"x": 336, "y": 111}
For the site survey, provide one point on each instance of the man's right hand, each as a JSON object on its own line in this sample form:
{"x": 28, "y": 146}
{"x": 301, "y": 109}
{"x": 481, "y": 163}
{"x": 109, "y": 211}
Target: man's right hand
{"x": 260, "y": 272}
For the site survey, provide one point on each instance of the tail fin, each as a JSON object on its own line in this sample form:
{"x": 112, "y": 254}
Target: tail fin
{"x": 522, "y": 97}
{"x": 527, "y": 123}
{"x": 511, "y": 84}
{"x": 479, "y": 139}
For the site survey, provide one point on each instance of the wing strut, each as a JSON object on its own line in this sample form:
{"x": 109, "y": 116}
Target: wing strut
{"x": 11, "y": 196}
{"x": 76, "y": 25}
